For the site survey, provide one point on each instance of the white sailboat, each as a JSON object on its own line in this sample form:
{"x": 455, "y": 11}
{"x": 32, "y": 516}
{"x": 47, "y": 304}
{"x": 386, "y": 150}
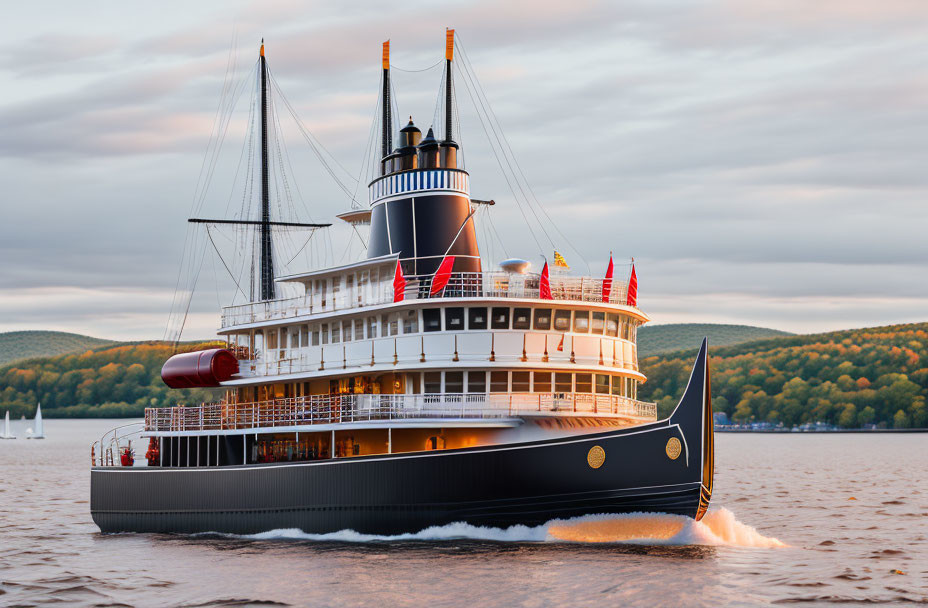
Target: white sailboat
{"x": 6, "y": 428}
{"x": 39, "y": 431}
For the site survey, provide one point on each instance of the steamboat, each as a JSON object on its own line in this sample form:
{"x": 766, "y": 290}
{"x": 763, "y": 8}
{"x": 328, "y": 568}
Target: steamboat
{"x": 414, "y": 387}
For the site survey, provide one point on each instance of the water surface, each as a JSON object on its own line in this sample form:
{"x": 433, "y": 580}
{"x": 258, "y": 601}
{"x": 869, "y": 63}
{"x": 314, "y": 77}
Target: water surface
{"x": 796, "y": 518}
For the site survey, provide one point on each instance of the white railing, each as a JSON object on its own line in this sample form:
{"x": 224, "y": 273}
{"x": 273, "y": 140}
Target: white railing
{"x": 326, "y": 409}
{"x": 461, "y": 285}
{"x": 417, "y": 180}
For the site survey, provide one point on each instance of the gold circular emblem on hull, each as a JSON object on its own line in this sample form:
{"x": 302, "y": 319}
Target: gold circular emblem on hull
{"x": 596, "y": 457}
{"x": 673, "y": 448}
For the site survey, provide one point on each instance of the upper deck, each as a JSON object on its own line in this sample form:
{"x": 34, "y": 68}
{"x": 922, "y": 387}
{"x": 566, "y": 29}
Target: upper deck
{"x": 370, "y": 284}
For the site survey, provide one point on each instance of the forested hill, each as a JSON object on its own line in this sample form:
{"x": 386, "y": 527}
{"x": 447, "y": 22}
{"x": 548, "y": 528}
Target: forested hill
{"x": 16, "y": 345}
{"x": 109, "y": 381}
{"x": 657, "y": 339}
{"x": 849, "y": 378}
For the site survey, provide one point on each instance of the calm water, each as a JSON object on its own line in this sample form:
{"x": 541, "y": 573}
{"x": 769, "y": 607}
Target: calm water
{"x": 797, "y": 489}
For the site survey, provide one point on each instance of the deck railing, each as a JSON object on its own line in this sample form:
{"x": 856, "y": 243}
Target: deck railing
{"x": 327, "y": 409}
{"x": 460, "y": 285}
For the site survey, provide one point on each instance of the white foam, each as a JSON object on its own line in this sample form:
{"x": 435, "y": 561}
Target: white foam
{"x": 719, "y": 527}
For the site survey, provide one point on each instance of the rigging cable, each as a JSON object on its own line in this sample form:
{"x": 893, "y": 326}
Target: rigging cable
{"x": 315, "y": 145}
{"x": 431, "y": 67}
{"x": 516, "y": 161}
{"x": 528, "y": 224}
{"x": 471, "y": 78}
{"x": 231, "y": 68}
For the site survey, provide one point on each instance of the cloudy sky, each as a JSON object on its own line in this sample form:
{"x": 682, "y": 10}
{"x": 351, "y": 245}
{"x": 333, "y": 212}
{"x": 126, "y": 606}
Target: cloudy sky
{"x": 765, "y": 162}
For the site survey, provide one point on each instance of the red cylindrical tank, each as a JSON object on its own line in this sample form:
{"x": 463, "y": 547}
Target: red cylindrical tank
{"x": 200, "y": 369}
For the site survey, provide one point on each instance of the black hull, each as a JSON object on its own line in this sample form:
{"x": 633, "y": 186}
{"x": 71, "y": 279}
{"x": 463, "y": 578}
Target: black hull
{"x": 525, "y": 483}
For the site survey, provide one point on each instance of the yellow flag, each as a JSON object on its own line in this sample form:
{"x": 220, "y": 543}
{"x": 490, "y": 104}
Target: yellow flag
{"x": 560, "y": 261}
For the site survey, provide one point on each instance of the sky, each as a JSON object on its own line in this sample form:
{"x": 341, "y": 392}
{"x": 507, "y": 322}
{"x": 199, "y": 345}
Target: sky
{"x": 763, "y": 162}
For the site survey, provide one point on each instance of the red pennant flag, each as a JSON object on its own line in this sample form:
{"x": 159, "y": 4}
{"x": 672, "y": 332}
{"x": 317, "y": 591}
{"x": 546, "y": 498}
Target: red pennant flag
{"x": 442, "y": 275}
{"x": 632, "y": 288}
{"x": 560, "y": 345}
{"x": 607, "y": 282}
{"x": 399, "y": 284}
{"x": 544, "y": 288}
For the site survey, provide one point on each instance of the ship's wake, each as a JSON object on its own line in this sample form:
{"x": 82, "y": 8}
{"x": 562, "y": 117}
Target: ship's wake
{"x": 719, "y": 527}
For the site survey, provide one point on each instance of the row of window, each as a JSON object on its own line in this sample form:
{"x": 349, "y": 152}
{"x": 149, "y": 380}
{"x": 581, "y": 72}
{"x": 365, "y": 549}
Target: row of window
{"x": 452, "y": 318}
{"x": 525, "y": 382}
{"x": 364, "y": 285}
{"x": 457, "y": 382}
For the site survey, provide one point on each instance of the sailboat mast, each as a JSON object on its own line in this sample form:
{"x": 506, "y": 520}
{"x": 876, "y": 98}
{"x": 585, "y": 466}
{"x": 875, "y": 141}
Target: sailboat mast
{"x": 267, "y": 260}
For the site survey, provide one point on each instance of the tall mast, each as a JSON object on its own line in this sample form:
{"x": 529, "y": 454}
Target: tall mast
{"x": 387, "y": 122}
{"x": 449, "y": 55}
{"x": 267, "y": 259}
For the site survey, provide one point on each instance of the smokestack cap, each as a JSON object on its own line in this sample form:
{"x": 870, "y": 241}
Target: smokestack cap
{"x": 409, "y": 137}
{"x": 410, "y": 128}
{"x": 429, "y": 141}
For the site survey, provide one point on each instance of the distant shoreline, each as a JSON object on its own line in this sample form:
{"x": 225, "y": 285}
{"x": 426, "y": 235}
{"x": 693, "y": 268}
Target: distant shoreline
{"x": 828, "y": 432}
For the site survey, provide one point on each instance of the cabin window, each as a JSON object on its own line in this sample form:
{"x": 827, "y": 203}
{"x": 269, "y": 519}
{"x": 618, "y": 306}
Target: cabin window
{"x": 359, "y": 329}
{"x": 363, "y": 280}
{"x": 633, "y": 389}
{"x": 414, "y": 383}
{"x": 499, "y": 382}
{"x": 584, "y": 383}
{"x": 543, "y": 319}
{"x": 454, "y": 382}
{"x": 346, "y": 330}
{"x": 562, "y": 320}
{"x": 375, "y": 284}
{"x": 602, "y": 384}
{"x": 618, "y": 385}
{"x": 612, "y": 325}
{"x": 304, "y": 335}
{"x": 499, "y": 319}
{"x": 477, "y": 318}
{"x": 432, "y": 382}
{"x": 325, "y": 333}
{"x": 522, "y": 318}
{"x": 315, "y": 335}
{"x": 520, "y": 382}
{"x": 541, "y": 382}
{"x": 581, "y": 321}
{"x": 454, "y": 319}
{"x": 431, "y": 319}
{"x": 598, "y": 322}
{"x": 350, "y": 285}
{"x": 563, "y": 383}
{"x": 371, "y": 327}
{"x": 624, "y": 329}
{"x": 390, "y": 324}
{"x": 336, "y": 288}
{"x": 336, "y": 332}
{"x": 411, "y": 322}
{"x": 477, "y": 382}
{"x": 321, "y": 289}
{"x": 272, "y": 339}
